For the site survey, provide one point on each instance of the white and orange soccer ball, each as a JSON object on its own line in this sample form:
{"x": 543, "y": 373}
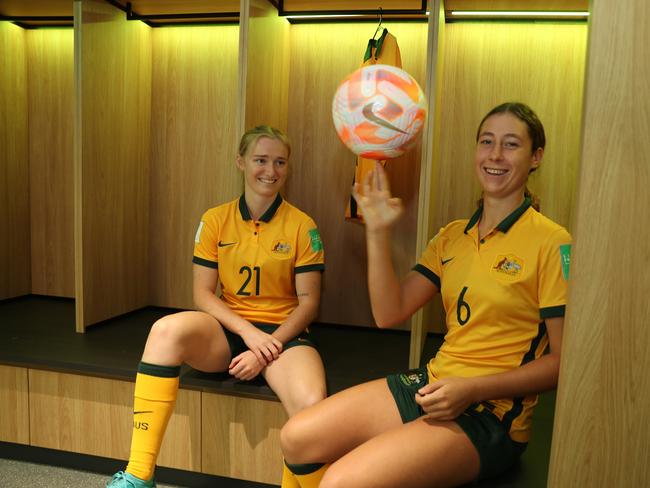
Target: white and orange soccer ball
{"x": 378, "y": 111}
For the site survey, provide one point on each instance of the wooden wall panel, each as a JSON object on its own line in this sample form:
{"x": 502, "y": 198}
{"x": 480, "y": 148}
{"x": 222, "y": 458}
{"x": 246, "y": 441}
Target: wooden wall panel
{"x": 194, "y": 146}
{"x": 266, "y": 58}
{"x": 95, "y": 416}
{"x": 241, "y": 438}
{"x": 600, "y": 436}
{"x": 490, "y": 63}
{"x": 431, "y": 313}
{"x": 322, "y": 167}
{"x": 51, "y": 89}
{"x": 14, "y": 164}
{"x": 14, "y": 405}
{"x": 113, "y": 218}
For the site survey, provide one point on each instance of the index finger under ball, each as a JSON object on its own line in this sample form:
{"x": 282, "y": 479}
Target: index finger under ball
{"x": 384, "y": 184}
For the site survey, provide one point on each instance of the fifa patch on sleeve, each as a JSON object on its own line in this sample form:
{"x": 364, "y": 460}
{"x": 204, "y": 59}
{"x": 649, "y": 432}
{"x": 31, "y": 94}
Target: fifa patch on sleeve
{"x": 197, "y": 237}
{"x": 565, "y": 259}
{"x": 316, "y": 243}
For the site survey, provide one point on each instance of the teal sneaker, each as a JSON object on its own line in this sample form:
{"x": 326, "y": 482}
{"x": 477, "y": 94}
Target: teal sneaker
{"x": 122, "y": 479}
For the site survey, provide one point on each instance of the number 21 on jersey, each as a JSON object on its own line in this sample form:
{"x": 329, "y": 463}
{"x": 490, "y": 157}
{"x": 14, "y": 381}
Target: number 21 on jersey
{"x": 249, "y": 274}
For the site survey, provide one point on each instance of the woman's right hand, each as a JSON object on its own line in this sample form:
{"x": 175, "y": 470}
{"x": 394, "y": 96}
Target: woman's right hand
{"x": 245, "y": 366}
{"x": 265, "y": 347}
{"x": 380, "y": 210}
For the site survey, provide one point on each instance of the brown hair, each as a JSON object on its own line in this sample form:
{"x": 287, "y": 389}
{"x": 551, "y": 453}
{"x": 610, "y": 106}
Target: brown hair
{"x": 524, "y": 113}
{"x": 251, "y": 136}
{"x": 535, "y": 130}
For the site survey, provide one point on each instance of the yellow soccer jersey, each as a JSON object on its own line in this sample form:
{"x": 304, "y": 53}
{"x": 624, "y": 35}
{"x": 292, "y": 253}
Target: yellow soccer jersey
{"x": 496, "y": 292}
{"x": 258, "y": 260}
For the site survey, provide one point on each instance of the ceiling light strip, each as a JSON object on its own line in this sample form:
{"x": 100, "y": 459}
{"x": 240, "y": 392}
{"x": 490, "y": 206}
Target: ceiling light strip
{"x": 316, "y": 16}
{"x": 519, "y": 13}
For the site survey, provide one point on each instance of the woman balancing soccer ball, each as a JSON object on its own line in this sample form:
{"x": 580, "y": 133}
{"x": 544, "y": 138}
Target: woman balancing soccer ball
{"x": 502, "y": 275}
{"x": 268, "y": 257}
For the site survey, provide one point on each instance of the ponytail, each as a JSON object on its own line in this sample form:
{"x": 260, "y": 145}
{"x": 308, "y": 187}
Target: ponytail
{"x": 534, "y": 199}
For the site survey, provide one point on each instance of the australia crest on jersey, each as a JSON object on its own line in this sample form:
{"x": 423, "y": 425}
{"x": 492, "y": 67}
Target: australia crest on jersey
{"x": 508, "y": 266}
{"x": 281, "y": 246}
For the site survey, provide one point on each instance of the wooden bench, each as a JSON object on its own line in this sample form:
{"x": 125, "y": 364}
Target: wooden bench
{"x": 74, "y": 393}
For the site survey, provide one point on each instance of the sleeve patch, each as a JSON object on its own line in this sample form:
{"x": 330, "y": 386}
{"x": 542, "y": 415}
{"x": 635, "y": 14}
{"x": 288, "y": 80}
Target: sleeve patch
{"x": 316, "y": 243}
{"x": 565, "y": 259}
{"x": 197, "y": 237}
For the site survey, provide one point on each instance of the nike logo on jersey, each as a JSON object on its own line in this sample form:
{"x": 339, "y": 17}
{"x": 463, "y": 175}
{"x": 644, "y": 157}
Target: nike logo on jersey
{"x": 445, "y": 261}
{"x": 224, "y": 244}
{"x": 370, "y": 115}
{"x": 137, "y": 412}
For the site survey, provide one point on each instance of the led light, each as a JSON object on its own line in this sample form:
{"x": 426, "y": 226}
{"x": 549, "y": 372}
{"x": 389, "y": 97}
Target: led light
{"x": 519, "y": 13}
{"x": 317, "y": 16}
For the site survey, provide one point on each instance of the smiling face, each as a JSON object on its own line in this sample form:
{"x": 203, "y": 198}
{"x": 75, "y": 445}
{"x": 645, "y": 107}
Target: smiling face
{"x": 504, "y": 156}
{"x": 265, "y": 165}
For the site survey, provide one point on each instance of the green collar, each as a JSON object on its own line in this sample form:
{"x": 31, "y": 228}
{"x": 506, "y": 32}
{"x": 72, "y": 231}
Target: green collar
{"x": 505, "y": 224}
{"x": 267, "y": 216}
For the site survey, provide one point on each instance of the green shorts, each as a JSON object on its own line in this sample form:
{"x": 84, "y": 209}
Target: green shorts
{"x": 497, "y": 451}
{"x": 237, "y": 344}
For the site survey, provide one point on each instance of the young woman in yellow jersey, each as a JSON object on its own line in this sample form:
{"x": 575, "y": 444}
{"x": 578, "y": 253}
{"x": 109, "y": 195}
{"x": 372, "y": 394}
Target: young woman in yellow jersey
{"x": 268, "y": 257}
{"x": 502, "y": 275}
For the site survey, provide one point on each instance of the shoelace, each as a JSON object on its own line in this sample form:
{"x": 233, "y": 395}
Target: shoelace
{"x": 120, "y": 476}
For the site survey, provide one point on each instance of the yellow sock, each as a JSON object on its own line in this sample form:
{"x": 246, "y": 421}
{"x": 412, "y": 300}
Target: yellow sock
{"x": 288, "y": 478}
{"x": 156, "y": 388}
{"x": 308, "y": 475}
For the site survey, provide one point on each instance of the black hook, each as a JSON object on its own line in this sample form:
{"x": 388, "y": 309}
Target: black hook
{"x": 379, "y": 26}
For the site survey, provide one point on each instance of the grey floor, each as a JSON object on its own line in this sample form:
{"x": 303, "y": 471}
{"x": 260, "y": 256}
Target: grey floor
{"x": 18, "y": 474}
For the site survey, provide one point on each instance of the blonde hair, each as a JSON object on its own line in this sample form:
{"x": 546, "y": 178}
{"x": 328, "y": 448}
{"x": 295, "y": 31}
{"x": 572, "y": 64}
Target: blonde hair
{"x": 251, "y": 136}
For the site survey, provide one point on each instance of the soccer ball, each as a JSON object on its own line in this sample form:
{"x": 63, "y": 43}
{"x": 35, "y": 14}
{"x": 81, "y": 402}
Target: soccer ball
{"x": 378, "y": 111}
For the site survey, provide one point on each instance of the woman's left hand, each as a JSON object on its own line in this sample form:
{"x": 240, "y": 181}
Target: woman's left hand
{"x": 245, "y": 366}
{"x": 447, "y": 398}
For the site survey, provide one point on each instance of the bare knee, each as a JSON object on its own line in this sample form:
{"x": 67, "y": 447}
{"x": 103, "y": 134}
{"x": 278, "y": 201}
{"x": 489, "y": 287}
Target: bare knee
{"x": 290, "y": 438}
{"x": 296, "y": 441}
{"x": 313, "y": 397}
{"x": 164, "y": 344}
{"x": 168, "y": 329}
{"x": 304, "y": 399}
